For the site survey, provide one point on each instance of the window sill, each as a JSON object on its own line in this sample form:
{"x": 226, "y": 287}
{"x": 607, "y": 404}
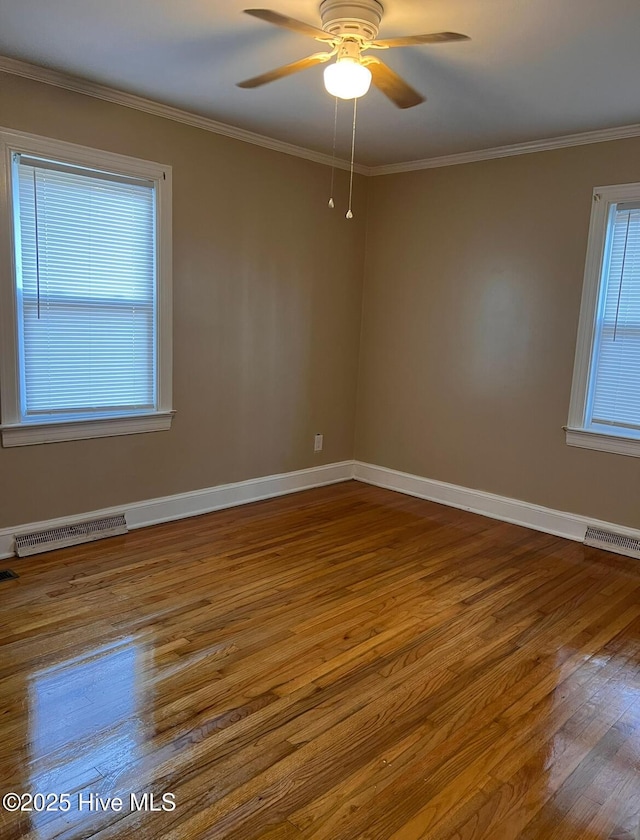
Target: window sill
{"x": 26, "y": 434}
{"x": 603, "y": 442}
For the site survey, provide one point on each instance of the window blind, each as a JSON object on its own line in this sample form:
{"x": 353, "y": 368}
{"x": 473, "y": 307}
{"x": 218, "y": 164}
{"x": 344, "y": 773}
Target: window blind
{"x": 616, "y": 362}
{"x": 86, "y": 277}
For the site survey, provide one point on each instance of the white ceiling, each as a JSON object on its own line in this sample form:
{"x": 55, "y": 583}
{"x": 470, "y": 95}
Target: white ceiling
{"x": 532, "y": 70}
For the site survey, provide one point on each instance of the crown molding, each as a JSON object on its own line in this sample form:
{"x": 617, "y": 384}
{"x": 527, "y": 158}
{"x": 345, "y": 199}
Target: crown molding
{"x": 158, "y": 109}
{"x": 563, "y": 142}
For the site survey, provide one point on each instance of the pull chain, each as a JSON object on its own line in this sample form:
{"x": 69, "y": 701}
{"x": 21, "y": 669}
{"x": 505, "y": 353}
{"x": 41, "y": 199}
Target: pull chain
{"x": 349, "y": 214}
{"x": 37, "y": 248}
{"x": 624, "y": 260}
{"x": 333, "y": 157}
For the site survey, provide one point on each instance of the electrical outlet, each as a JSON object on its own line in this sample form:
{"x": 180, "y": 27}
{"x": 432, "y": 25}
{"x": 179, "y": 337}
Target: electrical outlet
{"x": 318, "y": 443}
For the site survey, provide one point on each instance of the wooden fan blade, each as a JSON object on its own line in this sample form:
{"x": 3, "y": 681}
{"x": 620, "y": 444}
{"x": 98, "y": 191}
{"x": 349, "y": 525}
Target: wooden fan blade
{"x": 412, "y": 40}
{"x": 289, "y": 23}
{"x": 286, "y": 70}
{"x": 395, "y": 88}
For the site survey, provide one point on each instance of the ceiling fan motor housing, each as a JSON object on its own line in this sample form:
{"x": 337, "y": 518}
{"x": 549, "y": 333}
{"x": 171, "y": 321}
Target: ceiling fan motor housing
{"x": 356, "y": 19}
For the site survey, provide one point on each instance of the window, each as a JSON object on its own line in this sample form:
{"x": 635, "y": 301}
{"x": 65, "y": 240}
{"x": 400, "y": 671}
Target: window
{"x": 605, "y": 400}
{"x": 86, "y": 302}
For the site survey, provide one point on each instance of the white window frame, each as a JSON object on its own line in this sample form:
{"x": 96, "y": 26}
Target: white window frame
{"x": 609, "y": 439}
{"x": 15, "y": 430}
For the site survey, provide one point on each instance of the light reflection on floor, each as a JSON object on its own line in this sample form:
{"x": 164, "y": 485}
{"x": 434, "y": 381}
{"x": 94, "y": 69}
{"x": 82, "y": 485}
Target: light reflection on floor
{"x": 609, "y": 716}
{"x": 86, "y": 724}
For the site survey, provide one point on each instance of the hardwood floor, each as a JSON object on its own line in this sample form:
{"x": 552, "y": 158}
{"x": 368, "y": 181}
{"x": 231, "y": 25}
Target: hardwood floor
{"x": 342, "y": 663}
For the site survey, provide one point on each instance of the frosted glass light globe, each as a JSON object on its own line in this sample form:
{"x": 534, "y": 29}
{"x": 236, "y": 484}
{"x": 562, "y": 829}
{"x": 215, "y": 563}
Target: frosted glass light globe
{"x": 347, "y": 79}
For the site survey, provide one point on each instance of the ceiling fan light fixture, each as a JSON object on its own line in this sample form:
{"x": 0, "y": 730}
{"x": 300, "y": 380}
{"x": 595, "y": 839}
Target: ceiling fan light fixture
{"x": 347, "y": 78}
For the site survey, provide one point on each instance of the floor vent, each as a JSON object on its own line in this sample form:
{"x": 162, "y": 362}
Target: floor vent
{"x": 630, "y": 546}
{"x": 80, "y": 532}
{"x": 7, "y": 574}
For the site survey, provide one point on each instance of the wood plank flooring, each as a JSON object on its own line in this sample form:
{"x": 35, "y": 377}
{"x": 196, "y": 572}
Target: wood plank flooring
{"x": 342, "y": 663}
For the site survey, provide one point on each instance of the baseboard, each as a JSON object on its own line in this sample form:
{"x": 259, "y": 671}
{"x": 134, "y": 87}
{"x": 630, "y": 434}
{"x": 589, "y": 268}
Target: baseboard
{"x": 560, "y": 523}
{"x": 183, "y": 505}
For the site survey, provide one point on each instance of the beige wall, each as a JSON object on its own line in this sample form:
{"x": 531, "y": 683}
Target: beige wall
{"x": 267, "y": 302}
{"x": 471, "y": 302}
{"x": 472, "y": 295}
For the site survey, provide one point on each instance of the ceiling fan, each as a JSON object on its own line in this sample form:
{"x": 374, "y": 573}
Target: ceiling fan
{"x": 348, "y": 30}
